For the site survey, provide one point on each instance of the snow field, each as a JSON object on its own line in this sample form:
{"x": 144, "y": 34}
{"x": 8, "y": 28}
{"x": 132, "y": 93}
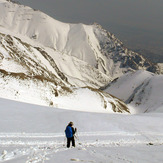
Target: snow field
{"x": 87, "y": 150}
{"x": 32, "y": 133}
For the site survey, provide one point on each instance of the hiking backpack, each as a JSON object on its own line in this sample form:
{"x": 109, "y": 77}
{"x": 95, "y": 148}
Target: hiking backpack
{"x": 69, "y": 132}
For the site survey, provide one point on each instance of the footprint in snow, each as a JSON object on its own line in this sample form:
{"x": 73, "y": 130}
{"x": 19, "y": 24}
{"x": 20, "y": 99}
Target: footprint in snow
{"x": 76, "y": 159}
{"x": 84, "y": 149}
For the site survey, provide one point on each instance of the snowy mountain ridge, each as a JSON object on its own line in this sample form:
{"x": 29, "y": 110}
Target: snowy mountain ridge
{"x": 52, "y": 60}
{"x": 30, "y": 75}
{"x": 89, "y": 43}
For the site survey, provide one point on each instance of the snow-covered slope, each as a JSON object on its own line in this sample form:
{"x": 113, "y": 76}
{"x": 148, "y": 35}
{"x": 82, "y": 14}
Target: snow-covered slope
{"x": 30, "y": 75}
{"x": 150, "y": 96}
{"x": 48, "y": 63}
{"x": 126, "y": 85}
{"x": 36, "y": 90}
{"x": 89, "y": 43}
{"x": 42, "y": 60}
{"x": 32, "y": 133}
{"x": 44, "y": 92}
{"x": 142, "y": 90}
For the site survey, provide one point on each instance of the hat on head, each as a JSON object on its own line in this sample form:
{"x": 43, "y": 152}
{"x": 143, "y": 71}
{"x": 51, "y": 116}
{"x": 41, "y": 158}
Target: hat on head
{"x": 71, "y": 124}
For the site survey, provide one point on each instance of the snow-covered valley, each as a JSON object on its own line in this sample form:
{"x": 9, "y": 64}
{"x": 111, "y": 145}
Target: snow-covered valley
{"x": 32, "y": 133}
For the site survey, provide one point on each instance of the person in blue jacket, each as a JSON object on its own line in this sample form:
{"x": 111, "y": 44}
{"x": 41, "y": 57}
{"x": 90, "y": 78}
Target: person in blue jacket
{"x": 70, "y": 133}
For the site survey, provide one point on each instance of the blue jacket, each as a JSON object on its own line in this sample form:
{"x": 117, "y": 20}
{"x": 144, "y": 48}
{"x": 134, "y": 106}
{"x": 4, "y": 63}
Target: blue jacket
{"x": 69, "y": 132}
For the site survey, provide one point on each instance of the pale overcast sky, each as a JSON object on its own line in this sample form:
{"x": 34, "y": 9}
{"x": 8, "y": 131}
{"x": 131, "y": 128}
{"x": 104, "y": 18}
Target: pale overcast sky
{"x": 134, "y": 21}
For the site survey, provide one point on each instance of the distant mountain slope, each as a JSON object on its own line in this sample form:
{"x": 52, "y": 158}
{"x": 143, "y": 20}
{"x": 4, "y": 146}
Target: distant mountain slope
{"x": 41, "y": 91}
{"x": 30, "y": 74}
{"x": 47, "y": 63}
{"x": 126, "y": 85}
{"x": 89, "y": 43}
{"x": 142, "y": 90}
{"x": 150, "y": 96}
{"x": 44, "y": 61}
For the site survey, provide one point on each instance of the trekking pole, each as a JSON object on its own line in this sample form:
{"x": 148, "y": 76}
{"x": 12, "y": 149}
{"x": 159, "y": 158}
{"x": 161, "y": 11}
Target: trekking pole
{"x": 64, "y": 141}
{"x": 77, "y": 137}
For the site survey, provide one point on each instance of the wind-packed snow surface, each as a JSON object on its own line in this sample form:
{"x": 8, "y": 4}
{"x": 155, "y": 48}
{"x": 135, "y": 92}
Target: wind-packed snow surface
{"x": 32, "y": 133}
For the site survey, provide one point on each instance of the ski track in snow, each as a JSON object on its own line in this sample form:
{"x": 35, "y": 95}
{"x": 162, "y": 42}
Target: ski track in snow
{"x": 38, "y": 147}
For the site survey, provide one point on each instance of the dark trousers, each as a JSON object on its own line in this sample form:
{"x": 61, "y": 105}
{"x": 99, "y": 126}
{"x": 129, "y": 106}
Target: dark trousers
{"x": 70, "y": 140}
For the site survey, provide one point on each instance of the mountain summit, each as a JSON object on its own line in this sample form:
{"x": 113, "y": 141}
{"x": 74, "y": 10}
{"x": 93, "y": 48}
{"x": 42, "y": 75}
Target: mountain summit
{"x": 88, "y": 43}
